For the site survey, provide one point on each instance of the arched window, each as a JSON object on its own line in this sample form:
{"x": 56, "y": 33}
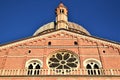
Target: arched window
{"x": 33, "y": 66}
{"x": 93, "y": 66}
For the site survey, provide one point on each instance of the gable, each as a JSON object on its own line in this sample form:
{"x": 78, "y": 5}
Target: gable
{"x": 61, "y": 39}
{"x": 59, "y": 35}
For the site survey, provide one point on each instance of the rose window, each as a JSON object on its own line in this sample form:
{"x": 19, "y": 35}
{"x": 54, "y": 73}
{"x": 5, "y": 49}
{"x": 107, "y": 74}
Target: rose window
{"x": 63, "y": 60}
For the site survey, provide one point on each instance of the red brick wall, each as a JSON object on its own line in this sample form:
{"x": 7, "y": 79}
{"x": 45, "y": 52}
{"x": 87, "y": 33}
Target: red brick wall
{"x": 15, "y": 57}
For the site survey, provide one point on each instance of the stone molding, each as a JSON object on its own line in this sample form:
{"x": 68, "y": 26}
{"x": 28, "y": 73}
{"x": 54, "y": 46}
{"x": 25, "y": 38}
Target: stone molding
{"x": 60, "y": 31}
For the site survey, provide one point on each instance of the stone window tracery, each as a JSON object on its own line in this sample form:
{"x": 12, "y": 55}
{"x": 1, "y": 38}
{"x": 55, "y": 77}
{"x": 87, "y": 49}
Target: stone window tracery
{"x": 93, "y": 66}
{"x": 33, "y": 67}
{"x": 63, "y": 60}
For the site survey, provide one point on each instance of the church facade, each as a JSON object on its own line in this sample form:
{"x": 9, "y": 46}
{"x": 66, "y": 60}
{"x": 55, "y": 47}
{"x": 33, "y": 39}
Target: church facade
{"x": 60, "y": 50}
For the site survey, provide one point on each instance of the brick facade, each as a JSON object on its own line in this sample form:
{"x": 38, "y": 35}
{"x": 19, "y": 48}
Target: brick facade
{"x": 14, "y": 56}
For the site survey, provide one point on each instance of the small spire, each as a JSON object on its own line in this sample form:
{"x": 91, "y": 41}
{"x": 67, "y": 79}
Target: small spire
{"x": 62, "y": 5}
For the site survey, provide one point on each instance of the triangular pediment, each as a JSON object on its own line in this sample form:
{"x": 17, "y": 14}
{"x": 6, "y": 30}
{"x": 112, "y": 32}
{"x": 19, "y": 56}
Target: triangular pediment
{"x": 58, "y": 35}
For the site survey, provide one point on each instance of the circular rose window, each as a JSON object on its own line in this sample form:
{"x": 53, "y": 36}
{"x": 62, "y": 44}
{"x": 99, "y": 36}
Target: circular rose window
{"x": 63, "y": 60}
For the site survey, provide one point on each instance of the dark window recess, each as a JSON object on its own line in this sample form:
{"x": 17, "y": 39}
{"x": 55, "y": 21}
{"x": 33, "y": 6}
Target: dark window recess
{"x": 75, "y": 43}
{"x": 61, "y": 11}
{"x": 96, "y": 66}
{"x": 38, "y": 66}
{"x": 88, "y": 66}
{"x": 103, "y": 51}
{"x": 93, "y": 69}
{"x": 30, "y": 66}
{"x": 91, "y": 63}
{"x": 33, "y": 69}
{"x": 49, "y": 43}
{"x": 29, "y": 51}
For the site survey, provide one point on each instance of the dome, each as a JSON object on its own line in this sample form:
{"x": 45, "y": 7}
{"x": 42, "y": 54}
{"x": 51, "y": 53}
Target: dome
{"x": 61, "y": 23}
{"x": 51, "y": 26}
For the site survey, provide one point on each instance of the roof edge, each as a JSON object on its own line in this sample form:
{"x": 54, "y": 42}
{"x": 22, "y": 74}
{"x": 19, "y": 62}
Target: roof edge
{"x": 113, "y": 42}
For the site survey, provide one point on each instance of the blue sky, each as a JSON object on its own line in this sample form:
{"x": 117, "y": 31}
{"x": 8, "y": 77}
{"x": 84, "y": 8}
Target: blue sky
{"x": 21, "y": 18}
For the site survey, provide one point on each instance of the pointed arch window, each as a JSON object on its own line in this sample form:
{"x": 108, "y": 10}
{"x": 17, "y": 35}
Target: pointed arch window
{"x": 93, "y": 67}
{"x": 33, "y": 67}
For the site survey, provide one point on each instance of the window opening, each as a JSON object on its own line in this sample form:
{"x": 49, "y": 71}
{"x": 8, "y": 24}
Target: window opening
{"x": 75, "y": 43}
{"x": 49, "y": 43}
{"x": 30, "y": 66}
{"x": 96, "y": 66}
{"x": 61, "y": 10}
{"x": 29, "y": 51}
{"x": 89, "y": 67}
{"x": 93, "y": 68}
{"x": 63, "y": 61}
{"x": 38, "y": 66}
{"x": 34, "y": 68}
{"x": 103, "y": 51}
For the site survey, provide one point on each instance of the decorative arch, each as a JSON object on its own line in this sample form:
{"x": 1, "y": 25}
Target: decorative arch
{"x": 33, "y": 66}
{"x": 33, "y": 60}
{"x": 93, "y": 66}
{"x": 92, "y": 60}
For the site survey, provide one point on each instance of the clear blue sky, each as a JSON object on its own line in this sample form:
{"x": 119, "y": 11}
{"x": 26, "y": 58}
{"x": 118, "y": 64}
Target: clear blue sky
{"x": 21, "y": 18}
